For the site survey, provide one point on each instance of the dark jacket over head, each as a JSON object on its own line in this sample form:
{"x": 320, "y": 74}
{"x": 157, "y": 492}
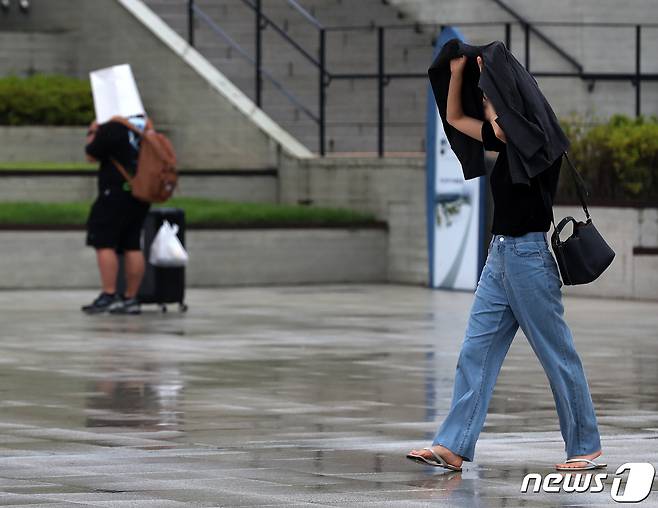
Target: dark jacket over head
{"x": 535, "y": 139}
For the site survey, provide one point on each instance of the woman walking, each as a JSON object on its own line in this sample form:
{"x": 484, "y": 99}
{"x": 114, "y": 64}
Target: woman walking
{"x": 519, "y": 286}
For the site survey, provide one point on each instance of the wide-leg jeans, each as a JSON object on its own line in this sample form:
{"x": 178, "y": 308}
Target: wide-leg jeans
{"x": 519, "y": 286}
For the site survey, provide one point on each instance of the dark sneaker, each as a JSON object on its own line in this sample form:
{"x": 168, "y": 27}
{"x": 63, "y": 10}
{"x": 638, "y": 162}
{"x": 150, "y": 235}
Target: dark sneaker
{"x": 127, "y": 306}
{"x": 103, "y": 303}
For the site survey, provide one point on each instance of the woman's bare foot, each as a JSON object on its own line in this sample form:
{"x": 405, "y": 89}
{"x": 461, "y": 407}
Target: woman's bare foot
{"x": 451, "y": 458}
{"x": 579, "y": 464}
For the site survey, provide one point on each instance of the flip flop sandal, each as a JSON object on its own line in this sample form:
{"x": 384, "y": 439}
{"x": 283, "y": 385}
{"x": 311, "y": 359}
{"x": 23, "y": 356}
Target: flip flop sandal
{"x": 591, "y": 465}
{"x": 437, "y": 461}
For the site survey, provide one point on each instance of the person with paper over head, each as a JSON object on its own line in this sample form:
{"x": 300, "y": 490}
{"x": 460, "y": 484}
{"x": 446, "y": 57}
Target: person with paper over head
{"x": 116, "y": 218}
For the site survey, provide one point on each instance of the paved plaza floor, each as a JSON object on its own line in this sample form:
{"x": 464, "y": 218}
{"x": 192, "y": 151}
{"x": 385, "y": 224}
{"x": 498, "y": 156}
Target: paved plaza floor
{"x": 296, "y": 396}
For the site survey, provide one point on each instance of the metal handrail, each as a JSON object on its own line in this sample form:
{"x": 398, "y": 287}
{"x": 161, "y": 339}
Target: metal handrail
{"x": 295, "y": 5}
{"x": 263, "y": 21}
{"x": 218, "y": 30}
{"x": 409, "y": 26}
{"x": 309, "y": 17}
{"x": 529, "y": 27}
{"x": 282, "y": 33}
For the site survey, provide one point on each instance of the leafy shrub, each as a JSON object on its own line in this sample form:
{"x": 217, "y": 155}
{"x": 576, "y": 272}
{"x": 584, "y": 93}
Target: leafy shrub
{"x": 198, "y": 212}
{"x": 618, "y": 158}
{"x": 45, "y": 100}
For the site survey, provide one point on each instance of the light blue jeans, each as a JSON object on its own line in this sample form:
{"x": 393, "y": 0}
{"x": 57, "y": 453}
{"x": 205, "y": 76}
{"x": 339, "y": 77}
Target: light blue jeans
{"x": 519, "y": 285}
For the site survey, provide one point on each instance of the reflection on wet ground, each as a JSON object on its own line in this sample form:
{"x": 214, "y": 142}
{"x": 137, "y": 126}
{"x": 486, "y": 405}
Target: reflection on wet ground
{"x": 296, "y": 396}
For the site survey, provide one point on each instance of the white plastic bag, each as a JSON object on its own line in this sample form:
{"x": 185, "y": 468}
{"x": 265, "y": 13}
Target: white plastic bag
{"x": 166, "y": 249}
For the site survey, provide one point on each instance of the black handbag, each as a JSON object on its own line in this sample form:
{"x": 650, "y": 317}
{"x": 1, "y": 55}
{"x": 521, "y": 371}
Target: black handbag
{"x": 585, "y": 255}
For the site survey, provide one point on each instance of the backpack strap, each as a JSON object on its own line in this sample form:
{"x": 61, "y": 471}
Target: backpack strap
{"x": 121, "y": 170}
{"x": 126, "y": 123}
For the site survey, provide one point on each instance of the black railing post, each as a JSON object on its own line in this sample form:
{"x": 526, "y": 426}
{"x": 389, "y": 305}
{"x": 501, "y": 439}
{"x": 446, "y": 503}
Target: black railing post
{"x": 527, "y": 47}
{"x": 380, "y": 91}
{"x": 638, "y": 55}
{"x": 190, "y": 22}
{"x": 321, "y": 91}
{"x": 259, "y": 53}
{"x": 508, "y": 36}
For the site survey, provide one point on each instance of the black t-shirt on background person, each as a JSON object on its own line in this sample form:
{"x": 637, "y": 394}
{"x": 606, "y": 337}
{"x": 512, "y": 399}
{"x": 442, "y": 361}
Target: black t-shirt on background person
{"x": 112, "y": 140}
{"x": 518, "y": 208}
{"x": 116, "y": 217}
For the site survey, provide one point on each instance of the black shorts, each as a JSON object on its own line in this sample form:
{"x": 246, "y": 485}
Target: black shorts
{"x": 116, "y": 220}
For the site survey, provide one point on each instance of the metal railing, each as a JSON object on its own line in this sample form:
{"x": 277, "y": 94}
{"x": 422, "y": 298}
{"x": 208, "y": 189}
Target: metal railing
{"x": 529, "y": 27}
{"x": 381, "y": 76}
{"x": 262, "y": 21}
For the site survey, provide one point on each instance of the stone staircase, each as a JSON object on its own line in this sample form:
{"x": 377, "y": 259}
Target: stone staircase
{"x": 351, "y": 109}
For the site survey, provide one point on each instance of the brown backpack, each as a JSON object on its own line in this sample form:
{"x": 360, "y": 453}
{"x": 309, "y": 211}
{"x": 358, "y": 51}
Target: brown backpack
{"x": 156, "y": 177}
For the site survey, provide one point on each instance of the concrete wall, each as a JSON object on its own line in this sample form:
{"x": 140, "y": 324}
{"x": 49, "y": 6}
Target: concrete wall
{"x": 287, "y": 256}
{"x": 24, "y": 53}
{"x": 248, "y": 187}
{"x": 394, "y": 190}
{"x": 46, "y": 259}
{"x": 211, "y": 123}
{"x": 42, "y": 144}
{"x": 391, "y": 188}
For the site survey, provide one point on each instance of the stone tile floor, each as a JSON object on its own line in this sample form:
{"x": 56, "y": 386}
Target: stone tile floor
{"x": 296, "y": 396}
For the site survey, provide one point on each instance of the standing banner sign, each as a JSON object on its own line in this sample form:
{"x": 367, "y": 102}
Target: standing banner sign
{"x": 456, "y": 208}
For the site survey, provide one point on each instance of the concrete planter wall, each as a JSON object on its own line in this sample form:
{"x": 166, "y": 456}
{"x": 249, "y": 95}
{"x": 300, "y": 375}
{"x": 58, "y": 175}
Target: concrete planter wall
{"x": 59, "y": 259}
{"x": 394, "y": 190}
{"x": 42, "y": 144}
{"x": 633, "y": 235}
{"x": 391, "y": 188}
{"x": 58, "y": 186}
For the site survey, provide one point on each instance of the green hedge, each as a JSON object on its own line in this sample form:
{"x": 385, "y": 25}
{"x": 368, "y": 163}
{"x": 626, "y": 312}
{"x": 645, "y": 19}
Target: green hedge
{"x": 618, "y": 158}
{"x": 45, "y": 100}
{"x": 198, "y": 212}
{"x": 48, "y": 166}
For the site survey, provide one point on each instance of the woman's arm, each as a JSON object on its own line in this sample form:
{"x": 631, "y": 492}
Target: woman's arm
{"x": 454, "y": 113}
{"x": 497, "y": 130}
{"x": 91, "y": 134}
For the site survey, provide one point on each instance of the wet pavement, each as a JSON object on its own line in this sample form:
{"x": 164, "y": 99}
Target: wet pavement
{"x": 296, "y": 396}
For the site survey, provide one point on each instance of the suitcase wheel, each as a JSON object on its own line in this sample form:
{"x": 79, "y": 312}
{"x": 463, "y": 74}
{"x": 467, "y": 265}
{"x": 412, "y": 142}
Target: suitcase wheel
{"x": 182, "y": 307}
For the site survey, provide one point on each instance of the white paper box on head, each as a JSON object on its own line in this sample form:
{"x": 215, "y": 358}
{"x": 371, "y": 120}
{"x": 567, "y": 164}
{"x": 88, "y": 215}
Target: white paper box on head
{"x": 115, "y": 93}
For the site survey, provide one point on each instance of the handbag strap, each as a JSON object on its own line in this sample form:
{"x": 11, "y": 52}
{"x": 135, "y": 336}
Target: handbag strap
{"x": 581, "y": 188}
{"x": 580, "y": 185}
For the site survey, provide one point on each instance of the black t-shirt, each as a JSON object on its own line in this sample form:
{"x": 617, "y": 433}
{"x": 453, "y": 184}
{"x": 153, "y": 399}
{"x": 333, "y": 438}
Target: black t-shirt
{"x": 518, "y": 208}
{"x": 114, "y": 140}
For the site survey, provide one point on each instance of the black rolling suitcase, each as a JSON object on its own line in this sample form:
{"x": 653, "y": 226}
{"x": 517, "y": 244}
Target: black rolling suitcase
{"x": 161, "y": 285}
